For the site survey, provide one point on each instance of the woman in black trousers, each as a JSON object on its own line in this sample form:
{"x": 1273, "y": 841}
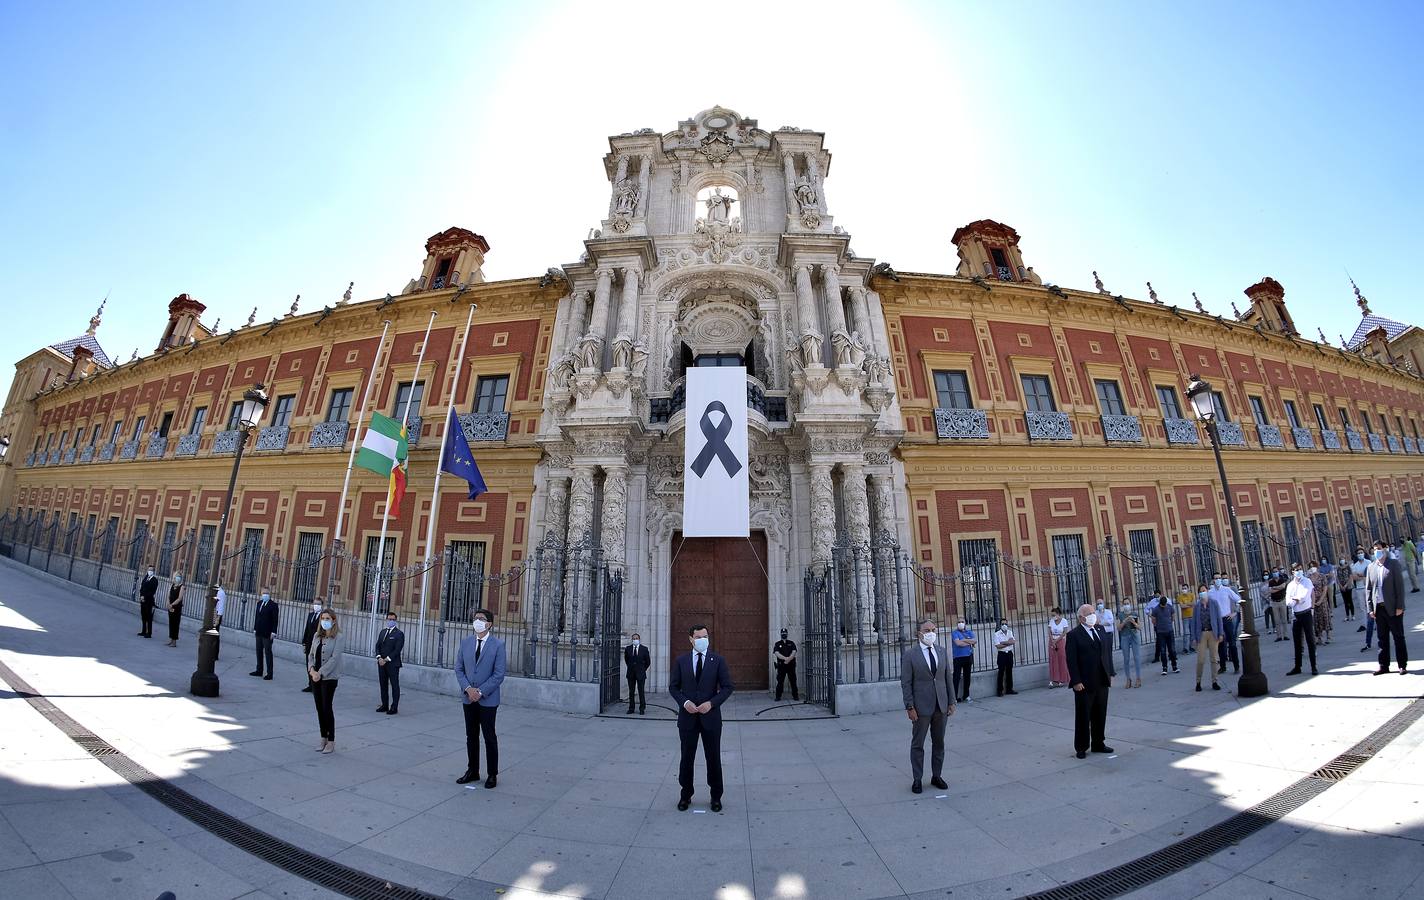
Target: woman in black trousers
{"x": 175, "y": 610}
{"x": 324, "y": 668}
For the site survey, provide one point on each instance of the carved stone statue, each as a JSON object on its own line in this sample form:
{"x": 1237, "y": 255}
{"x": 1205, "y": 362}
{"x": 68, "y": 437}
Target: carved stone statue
{"x": 639, "y": 363}
{"x": 719, "y": 207}
{"x": 563, "y": 368}
{"x": 848, "y": 349}
{"x": 590, "y": 351}
{"x": 806, "y": 194}
{"x": 622, "y": 352}
{"x": 625, "y": 197}
{"x": 810, "y": 349}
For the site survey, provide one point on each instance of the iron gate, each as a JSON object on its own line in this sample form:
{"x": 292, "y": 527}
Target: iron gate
{"x": 611, "y": 638}
{"x": 818, "y": 651}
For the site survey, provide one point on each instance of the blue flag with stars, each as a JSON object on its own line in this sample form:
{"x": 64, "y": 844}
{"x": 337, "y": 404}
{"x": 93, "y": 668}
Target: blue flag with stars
{"x": 459, "y": 460}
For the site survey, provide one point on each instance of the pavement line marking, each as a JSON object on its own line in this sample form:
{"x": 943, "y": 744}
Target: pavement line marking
{"x": 270, "y": 849}
{"x": 1145, "y": 870}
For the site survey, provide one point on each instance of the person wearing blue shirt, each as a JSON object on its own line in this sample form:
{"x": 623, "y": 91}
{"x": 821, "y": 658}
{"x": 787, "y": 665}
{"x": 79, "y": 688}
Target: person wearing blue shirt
{"x": 962, "y": 640}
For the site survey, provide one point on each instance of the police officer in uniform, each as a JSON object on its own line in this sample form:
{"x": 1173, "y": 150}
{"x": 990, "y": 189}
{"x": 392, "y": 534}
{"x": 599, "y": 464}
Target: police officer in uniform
{"x": 785, "y": 651}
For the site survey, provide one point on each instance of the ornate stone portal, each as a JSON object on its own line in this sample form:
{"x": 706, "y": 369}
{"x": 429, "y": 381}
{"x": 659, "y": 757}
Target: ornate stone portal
{"x": 718, "y": 242}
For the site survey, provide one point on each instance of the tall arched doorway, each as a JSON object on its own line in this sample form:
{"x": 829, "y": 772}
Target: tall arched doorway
{"x": 720, "y": 583}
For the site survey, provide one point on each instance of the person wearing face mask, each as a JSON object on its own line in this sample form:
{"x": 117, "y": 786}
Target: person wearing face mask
{"x": 1187, "y": 613}
{"x": 1345, "y": 584}
{"x": 700, "y": 684}
{"x": 1278, "y": 585}
{"x": 480, "y": 668}
{"x": 1300, "y": 594}
{"x": 1385, "y": 589}
{"x": 1327, "y": 571}
{"x": 175, "y": 609}
{"x": 1004, "y": 642}
{"x": 926, "y": 690}
{"x": 324, "y": 669}
{"x": 1209, "y": 616}
{"x": 1105, "y": 620}
{"x": 638, "y": 660}
{"x": 1320, "y": 613}
{"x": 264, "y": 626}
{"x": 1130, "y": 642}
{"x": 1359, "y": 569}
{"x": 147, "y": 591}
{"x": 389, "y": 644}
{"x": 309, "y": 631}
{"x": 785, "y": 653}
{"x": 1163, "y": 623}
{"x": 1090, "y": 672}
{"x": 1058, "y": 628}
{"x": 962, "y": 643}
{"x": 1226, "y": 602}
{"x": 220, "y": 601}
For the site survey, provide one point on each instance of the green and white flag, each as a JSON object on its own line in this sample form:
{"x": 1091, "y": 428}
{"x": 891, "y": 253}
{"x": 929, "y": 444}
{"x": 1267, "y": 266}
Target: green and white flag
{"x": 383, "y": 451}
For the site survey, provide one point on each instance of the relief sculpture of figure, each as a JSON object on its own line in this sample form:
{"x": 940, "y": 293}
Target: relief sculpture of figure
{"x": 718, "y": 206}
{"x": 847, "y": 347}
{"x": 639, "y": 364}
{"x": 559, "y": 373}
{"x": 622, "y": 352}
{"x": 805, "y": 193}
{"x": 590, "y": 351}
{"x": 626, "y": 197}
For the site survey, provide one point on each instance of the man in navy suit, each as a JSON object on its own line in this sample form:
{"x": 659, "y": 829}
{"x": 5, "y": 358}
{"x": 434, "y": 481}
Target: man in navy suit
{"x": 700, "y": 684}
{"x": 480, "y": 667}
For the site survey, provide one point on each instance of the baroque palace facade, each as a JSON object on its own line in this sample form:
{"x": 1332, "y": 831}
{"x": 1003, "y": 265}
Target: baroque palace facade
{"x": 957, "y": 417}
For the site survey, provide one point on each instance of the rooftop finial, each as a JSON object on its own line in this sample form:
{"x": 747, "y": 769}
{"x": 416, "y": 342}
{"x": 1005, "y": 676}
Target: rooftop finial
{"x": 98, "y": 316}
{"x": 1234, "y": 311}
{"x": 1360, "y": 298}
{"x": 1098, "y": 283}
{"x": 217, "y": 324}
{"x": 134, "y": 356}
{"x": 1342, "y": 342}
{"x": 1152, "y": 294}
{"x": 346, "y": 297}
{"x": 1200, "y": 308}
{"x": 252, "y": 318}
{"x": 293, "y": 311}
{"x": 1323, "y": 338}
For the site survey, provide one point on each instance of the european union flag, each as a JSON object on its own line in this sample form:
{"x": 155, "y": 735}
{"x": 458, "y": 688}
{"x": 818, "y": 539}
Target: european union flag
{"x": 459, "y": 460}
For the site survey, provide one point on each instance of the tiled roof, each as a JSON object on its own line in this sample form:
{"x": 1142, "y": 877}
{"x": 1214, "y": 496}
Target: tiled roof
{"x": 1369, "y": 323}
{"x": 85, "y": 340}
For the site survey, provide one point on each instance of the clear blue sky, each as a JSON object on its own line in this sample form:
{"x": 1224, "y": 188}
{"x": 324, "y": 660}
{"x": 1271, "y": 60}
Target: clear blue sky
{"x": 248, "y": 152}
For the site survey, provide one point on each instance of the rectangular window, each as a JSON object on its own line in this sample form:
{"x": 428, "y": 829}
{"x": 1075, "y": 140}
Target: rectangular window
{"x": 165, "y": 549}
{"x": 952, "y": 390}
{"x": 1292, "y": 415}
{"x": 137, "y": 543}
{"x": 464, "y": 580}
{"x": 339, "y": 409}
{"x": 1109, "y": 397}
{"x": 1399, "y": 420}
{"x": 1372, "y": 515}
{"x": 1344, "y": 417}
{"x": 138, "y": 427}
{"x": 368, "y": 583}
{"x": 1251, "y": 537}
{"x": 207, "y": 536}
{"x": 165, "y": 424}
{"x": 490, "y": 393}
{"x": 1323, "y": 540}
{"x": 1365, "y": 420}
{"x": 111, "y": 536}
{"x": 200, "y": 418}
{"x": 63, "y": 436}
{"x": 304, "y": 574}
{"x": 717, "y": 360}
{"x": 234, "y": 418}
{"x": 1294, "y": 552}
{"x": 1352, "y": 531}
{"x": 1167, "y": 399}
{"x": 979, "y": 579}
{"x": 408, "y": 394}
{"x": 71, "y": 532}
{"x": 1384, "y": 423}
{"x": 1071, "y": 571}
{"x": 1320, "y": 417}
{"x": 251, "y": 560}
{"x": 89, "y": 529}
{"x": 282, "y": 410}
{"x": 1218, "y": 406}
{"x": 1204, "y": 547}
{"x": 1146, "y": 571}
{"x": 114, "y": 432}
{"x": 1258, "y": 411}
{"x": 78, "y": 435}
{"x": 1038, "y": 393}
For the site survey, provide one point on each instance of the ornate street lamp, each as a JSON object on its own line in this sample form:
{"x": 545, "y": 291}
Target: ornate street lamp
{"x": 4, "y": 447}
{"x": 205, "y": 678}
{"x": 1253, "y": 681}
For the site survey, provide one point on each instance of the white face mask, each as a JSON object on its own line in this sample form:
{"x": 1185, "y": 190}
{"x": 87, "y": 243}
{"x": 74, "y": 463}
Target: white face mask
{"x": 266, "y": 597}
{"x": 700, "y": 644}
{"x": 636, "y": 642}
{"x": 150, "y": 573}
{"x": 316, "y": 607}
{"x": 960, "y": 626}
{"x": 1091, "y": 619}
{"x": 1127, "y": 608}
{"x": 1314, "y": 570}
{"x": 929, "y": 637}
{"x": 480, "y": 626}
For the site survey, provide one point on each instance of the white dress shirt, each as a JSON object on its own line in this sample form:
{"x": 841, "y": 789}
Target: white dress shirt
{"x": 1299, "y": 594}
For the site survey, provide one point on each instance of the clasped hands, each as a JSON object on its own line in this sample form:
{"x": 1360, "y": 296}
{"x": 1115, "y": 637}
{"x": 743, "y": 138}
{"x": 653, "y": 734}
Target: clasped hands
{"x": 473, "y": 693}
{"x": 696, "y": 708}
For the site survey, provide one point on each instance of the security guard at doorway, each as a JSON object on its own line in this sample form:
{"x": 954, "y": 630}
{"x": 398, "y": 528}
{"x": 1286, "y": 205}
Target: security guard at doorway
{"x": 785, "y": 651}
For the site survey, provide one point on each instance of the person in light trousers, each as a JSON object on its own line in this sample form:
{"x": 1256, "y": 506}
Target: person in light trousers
{"x": 1129, "y": 637}
{"x": 324, "y": 668}
{"x": 1209, "y": 615}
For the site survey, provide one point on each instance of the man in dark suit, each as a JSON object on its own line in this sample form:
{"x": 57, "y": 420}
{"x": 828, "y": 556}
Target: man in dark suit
{"x": 147, "y": 591}
{"x": 264, "y": 625}
{"x": 927, "y": 692}
{"x": 637, "y": 658}
{"x": 389, "y": 644}
{"x": 700, "y": 684}
{"x": 1384, "y": 585}
{"x": 309, "y": 632}
{"x": 1090, "y": 672}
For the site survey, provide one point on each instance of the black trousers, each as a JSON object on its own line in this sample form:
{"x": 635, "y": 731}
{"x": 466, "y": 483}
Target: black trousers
{"x": 1391, "y": 627}
{"x": 479, "y": 720}
{"x": 264, "y": 652}
{"x": 389, "y": 676}
{"x": 175, "y": 619}
{"x": 324, "y": 692}
{"x": 963, "y": 665}
{"x": 1349, "y": 595}
{"x": 1167, "y": 648}
{"x": 689, "y": 729}
{"x": 783, "y": 673}
{"x": 1090, "y": 717}
{"x": 145, "y": 617}
{"x": 1006, "y": 672}
{"x": 641, "y": 686}
{"x": 1304, "y": 625}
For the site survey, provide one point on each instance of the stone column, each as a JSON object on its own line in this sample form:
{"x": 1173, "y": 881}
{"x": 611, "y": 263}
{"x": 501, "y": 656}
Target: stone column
{"x": 645, "y": 165}
{"x": 806, "y": 312}
{"x": 627, "y": 320}
{"x": 578, "y": 552}
{"x": 823, "y": 514}
{"x": 556, "y": 510}
{"x": 788, "y": 167}
{"x": 619, "y": 174}
{"x": 614, "y": 538}
{"x": 580, "y": 514}
{"x": 835, "y": 309}
{"x": 578, "y": 314}
{"x": 860, "y": 314}
{"x": 882, "y": 495}
{"x": 856, "y": 502}
{"x": 598, "y": 317}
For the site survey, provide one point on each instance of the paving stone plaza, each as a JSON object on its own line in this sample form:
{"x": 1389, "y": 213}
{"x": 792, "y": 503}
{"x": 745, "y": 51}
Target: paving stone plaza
{"x": 586, "y": 804}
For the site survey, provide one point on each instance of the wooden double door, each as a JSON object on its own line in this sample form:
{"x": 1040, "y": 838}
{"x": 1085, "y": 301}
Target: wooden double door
{"x": 721, "y": 583}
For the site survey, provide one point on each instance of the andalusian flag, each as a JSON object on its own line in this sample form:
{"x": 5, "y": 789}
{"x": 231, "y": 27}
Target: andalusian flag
{"x": 383, "y": 451}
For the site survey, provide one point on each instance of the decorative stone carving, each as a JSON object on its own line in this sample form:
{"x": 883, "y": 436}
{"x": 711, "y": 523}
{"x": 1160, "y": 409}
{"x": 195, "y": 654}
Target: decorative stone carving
{"x": 823, "y": 514}
{"x": 614, "y": 514}
{"x": 590, "y": 352}
{"x": 556, "y": 511}
{"x": 877, "y": 458}
{"x": 882, "y": 496}
{"x": 638, "y": 361}
{"x": 580, "y": 516}
{"x": 717, "y": 238}
{"x": 857, "y": 505}
{"x": 716, "y": 147}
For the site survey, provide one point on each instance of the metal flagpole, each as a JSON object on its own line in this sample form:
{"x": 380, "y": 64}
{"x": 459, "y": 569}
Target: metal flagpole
{"x": 350, "y": 459}
{"x": 435, "y": 501}
{"x": 386, "y": 514}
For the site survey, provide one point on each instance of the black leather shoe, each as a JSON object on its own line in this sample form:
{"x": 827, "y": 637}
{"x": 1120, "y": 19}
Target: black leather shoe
{"x": 716, "y": 805}
{"x": 1382, "y": 672}
{"x": 939, "y": 783}
{"x": 1215, "y": 686}
{"x": 258, "y": 674}
{"x": 1011, "y": 692}
{"x": 1198, "y": 686}
{"x": 1315, "y": 671}
{"x": 307, "y": 689}
{"x": 491, "y": 781}
{"x": 1295, "y": 671}
{"x": 266, "y": 677}
{"x": 468, "y": 777}
{"x": 629, "y": 712}
{"x": 1082, "y": 754}
{"x": 391, "y": 711}
{"x": 916, "y": 787}
{"x": 683, "y": 804}
{"x": 382, "y": 708}
{"x": 642, "y": 712}
{"x": 1103, "y": 749}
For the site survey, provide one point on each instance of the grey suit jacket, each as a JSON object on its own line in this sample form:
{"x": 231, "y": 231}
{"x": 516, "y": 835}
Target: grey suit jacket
{"x": 1385, "y": 583}
{"x": 921, "y": 690}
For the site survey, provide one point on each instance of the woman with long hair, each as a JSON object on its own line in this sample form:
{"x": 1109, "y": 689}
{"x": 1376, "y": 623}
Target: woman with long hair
{"x": 1058, "y": 628}
{"x": 324, "y": 668}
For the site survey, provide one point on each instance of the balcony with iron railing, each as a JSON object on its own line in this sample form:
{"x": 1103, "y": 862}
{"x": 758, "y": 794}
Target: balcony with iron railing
{"x": 225, "y": 442}
{"x": 1182, "y": 431}
{"x": 1044, "y": 425}
{"x": 106, "y": 452}
{"x": 54, "y": 457}
{"x": 1231, "y": 434}
{"x": 1270, "y": 436}
{"x": 1394, "y": 445}
{"x": 771, "y": 405}
{"x": 412, "y": 434}
{"x": 130, "y": 450}
{"x": 29, "y": 459}
{"x": 1410, "y": 445}
{"x": 1304, "y": 440}
{"x": 68, "y": 457}
{"x": 87, "y": 454}
{"x": 961, "y": 424}
{"x": 329, "y": 435}
{"x": 1353, "y": 439}
{"x": 485, "y": 426}
{"x": 1122, "y": 429}
{"x": 1329, "y": 439}
{"x": 157, "y": 446}
{"x": 1376, "y": 445}
{"x": 273, "y": 437}
{"x": 188, "y": 445}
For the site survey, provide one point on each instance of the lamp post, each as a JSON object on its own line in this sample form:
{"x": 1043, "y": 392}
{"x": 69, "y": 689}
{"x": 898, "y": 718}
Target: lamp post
{"x": 205, "y": 678}
{"x": 4, "y": 447}
{"x": 1253, "y": 681}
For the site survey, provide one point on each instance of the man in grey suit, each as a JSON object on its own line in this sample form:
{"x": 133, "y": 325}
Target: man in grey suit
{"x": 1384, "y": 583}
{"x": 924, "y": 684}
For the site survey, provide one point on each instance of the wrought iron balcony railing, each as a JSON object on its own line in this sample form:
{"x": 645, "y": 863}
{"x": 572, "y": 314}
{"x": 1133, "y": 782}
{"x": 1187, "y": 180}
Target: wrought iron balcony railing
{"x": 130, "y": 450}
{"x": 87, "y": 454}
{"x": 490, "y": 426}
{"x": 1394, "y": 445}
{"x": 329, "y": 435}
{"x": 68, "y": 457}
{"x": 1410, "y": 445}
{"x": 1231, "y": 434}
{"x": 157, "y": 446}
{"x": 412, "y": 434}
{"x": 1048, "y": 426}
{"x": 959, "y": 424}
{"x": 1182, "y": 431}
{"x": 225, "y": 442}
{"x": 1353, "y": 439}
{"x": 1271, "y": 436}
{"x": 1376, "y": 445}
{"x": 273, "y": 437}
{"x": 54, "y": 457}
{"x": 1127, "y": 429}
{"x": 106, "y": 452}
{"x": 188, "y": 445}
{"x": 1330, "y": 440}
{"x": 1304, "y": 440}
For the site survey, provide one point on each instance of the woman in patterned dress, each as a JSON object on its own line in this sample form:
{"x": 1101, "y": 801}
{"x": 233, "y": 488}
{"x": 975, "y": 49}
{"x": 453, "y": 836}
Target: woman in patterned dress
{"x": 1320, "y": 606}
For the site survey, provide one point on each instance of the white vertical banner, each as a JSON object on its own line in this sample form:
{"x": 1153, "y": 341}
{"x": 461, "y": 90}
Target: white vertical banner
{"x": 715, "y": 490}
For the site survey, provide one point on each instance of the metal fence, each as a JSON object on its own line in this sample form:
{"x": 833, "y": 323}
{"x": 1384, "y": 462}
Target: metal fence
{"x": 559, "y": 614}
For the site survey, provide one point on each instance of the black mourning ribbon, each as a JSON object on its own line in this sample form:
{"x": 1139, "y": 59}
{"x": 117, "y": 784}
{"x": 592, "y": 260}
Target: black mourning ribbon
{"x": 716, "y": 442}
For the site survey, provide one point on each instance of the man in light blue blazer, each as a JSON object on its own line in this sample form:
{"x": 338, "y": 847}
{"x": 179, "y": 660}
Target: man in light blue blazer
{"x": 480, "y": 667}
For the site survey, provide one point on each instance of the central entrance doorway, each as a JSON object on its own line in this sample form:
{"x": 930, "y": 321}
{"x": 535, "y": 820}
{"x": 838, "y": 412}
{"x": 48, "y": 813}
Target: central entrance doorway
{"x": 720, "y": 583}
